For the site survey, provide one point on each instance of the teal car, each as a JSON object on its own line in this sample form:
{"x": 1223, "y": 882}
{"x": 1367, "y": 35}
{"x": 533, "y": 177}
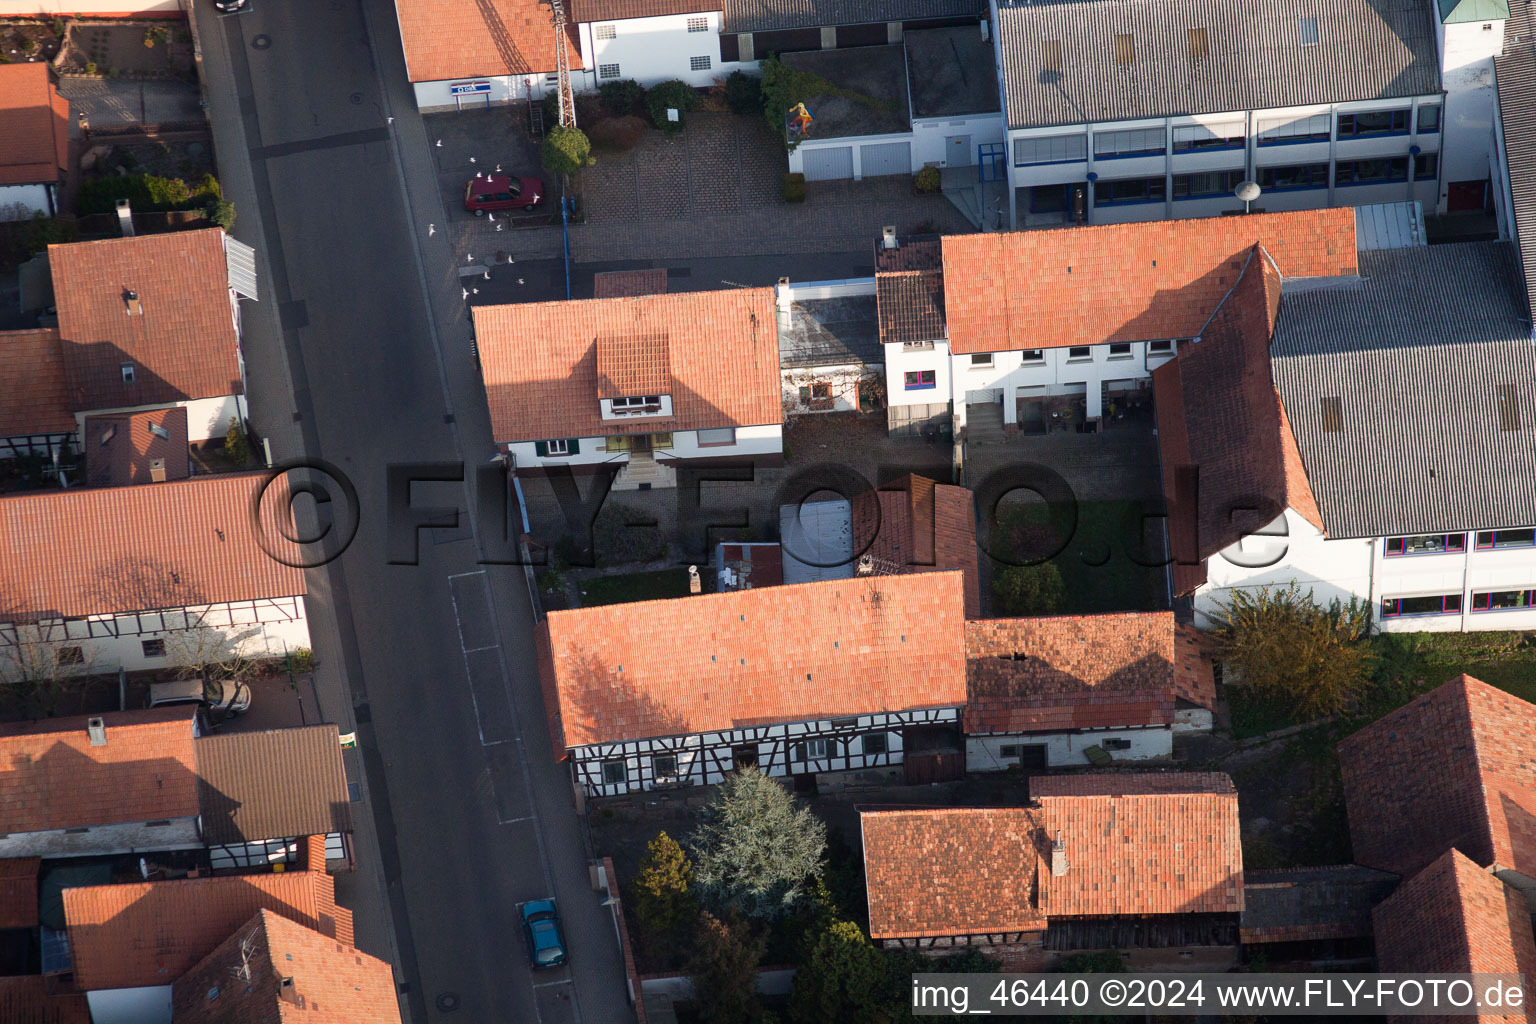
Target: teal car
{"x": 541, "y": 927}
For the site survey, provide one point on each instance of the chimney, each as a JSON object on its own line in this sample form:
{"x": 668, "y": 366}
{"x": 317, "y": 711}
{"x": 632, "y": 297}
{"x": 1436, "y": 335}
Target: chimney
{"x": 288, "y": 994}
{"x": 97, "y": 729}
{"x": 157, "y": 471}
{"x": 866, "y": 565}
{"x": 888, "y": 237}
{"x": 131, "y": 300}
{"x": 1058, "y": 857}
{"x": 782, "y": 294}
{"x": 125, "y": 217}
{"x": 695, "y": 585}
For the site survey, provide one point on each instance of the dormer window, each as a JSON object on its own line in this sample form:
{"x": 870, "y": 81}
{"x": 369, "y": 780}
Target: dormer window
{"x": 127, "y": 369}
{"x": 647, "y": 405}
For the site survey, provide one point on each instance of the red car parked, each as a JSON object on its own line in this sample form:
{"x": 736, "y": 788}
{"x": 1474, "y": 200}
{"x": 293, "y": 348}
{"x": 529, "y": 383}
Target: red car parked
{"x": 502, "y": 192}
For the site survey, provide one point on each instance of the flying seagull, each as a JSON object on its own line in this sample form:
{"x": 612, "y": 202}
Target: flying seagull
{"x": 477, "y": 291}
{"x": 500, "y": 227}
{"x": 498, "y": 168}
{"x": 439, "y": 143}
{"x": 431, "y": 230}
{"x": 471, "y": 159}
{"x": 487, "y": 275}
{"x": 466, "y": 293}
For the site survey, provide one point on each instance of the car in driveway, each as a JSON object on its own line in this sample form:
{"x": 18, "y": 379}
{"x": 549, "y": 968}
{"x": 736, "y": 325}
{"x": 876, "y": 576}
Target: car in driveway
{"x": 219, "y": 697}
{"x": 502, "y": 192}
{"x": 541, "y": 927}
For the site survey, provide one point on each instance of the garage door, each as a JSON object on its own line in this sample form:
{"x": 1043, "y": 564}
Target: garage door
{"x": 983, "y": 396}
{"x": 828, "y": 164}
{"x": 886, "y": 158}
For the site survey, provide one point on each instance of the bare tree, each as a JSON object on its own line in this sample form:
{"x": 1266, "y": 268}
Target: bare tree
{"x": 212, "y": 653}
{"x": 36, "y": 667}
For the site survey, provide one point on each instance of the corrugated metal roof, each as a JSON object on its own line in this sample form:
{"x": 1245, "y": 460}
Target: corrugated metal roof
{"x": 1253, "y": 56}
{"x": 1515, "y": 76}
{"x": 1417, "y": 351}
{"x": 1389, "y": 226}
{"x": 817, "y": 541}
{"x": 1455, "y": 12}
{"x": 241, "y": 262}
{"x": 275, "y": 784}
{"x": 768, "y": 15}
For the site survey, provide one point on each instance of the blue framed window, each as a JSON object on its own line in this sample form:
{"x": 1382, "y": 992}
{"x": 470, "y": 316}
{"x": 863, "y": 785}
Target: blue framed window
{"x": 1050, "y": 149}
{"x": 1373, "y": 123}
{"x": 1371, "y": 172}
{"x": 1429, "y": 120}
{"x": 1195, "y": 138}
{"x": 1293, "y": 178}
{"x": 1427, "y": 544}
{"x": 1503, "y": 600}
{"x": 1206, "y": 185}
{"x": 1286, "y": 131}
{"x": 1129, "y": 190}
{"x": 1436, "y": 604}
{"x": 992, "y": 157}
{"x": 1426, "y": 166}
{"x": 918, "y": 380}
{"x": 1489, "y": 540}
{"x": 1132, "y": 142}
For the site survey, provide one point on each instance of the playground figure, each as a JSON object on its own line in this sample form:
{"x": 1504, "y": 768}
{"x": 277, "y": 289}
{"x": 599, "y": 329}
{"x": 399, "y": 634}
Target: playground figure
{"x": 800, "y": 120}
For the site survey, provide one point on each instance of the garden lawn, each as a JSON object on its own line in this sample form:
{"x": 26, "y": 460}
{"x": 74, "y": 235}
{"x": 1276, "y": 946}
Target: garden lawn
{"x": 634, "y": 586}
{"x": 1098, "y": 573}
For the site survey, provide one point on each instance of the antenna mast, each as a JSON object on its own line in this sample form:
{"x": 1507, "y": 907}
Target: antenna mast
{"x": 563, "y": 67}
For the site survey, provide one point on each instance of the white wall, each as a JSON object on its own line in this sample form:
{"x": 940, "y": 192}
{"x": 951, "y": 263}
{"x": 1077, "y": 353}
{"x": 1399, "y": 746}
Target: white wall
{"x": 1187, "y": 721}
{"x": 929, "y": 135}
{"x": 1466, "y": 55}
{"x": 20, "y": 202}
{"x": 652, "y": 50}
{"x": 984, "y": 753}
{"x": 1299, "y": 552}
{"x": 126, "y": 837}
{"x": 150, "y": 1005}
{"x": 1056, "y": 374}
{"x": 900, "y": 360}
{"x": 755, "y": 440}
{"x": 844, "y": 380}
{"x": 432, "y": 97}
{"x": 261, "y": 629}
{"x": 1454, "y": 573}
{"x": 207, "y": 418}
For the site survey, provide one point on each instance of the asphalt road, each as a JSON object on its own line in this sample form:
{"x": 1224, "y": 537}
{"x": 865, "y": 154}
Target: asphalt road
{"x": 358, "y": 353}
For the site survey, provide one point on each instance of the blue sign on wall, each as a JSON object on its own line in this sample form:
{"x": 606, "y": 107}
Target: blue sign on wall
{"x": 468, "y": 88}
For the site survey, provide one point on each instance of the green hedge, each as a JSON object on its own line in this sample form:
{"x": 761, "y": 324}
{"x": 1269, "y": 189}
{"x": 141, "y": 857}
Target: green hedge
{"x": 146, "y": 193}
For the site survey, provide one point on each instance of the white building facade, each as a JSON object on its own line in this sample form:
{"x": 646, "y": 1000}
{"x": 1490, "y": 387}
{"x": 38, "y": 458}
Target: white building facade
{"x": 683, "y": 46}
{"x": 996, "y": 752}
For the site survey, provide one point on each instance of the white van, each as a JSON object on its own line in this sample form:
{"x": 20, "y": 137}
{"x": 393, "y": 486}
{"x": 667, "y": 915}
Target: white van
{"x": 221, "y": 696}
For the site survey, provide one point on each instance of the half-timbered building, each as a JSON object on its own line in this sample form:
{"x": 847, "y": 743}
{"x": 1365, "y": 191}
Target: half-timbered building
{"x": 1145, "y": 863}
{"x": 167, "y": 576}
{"x": 1082, "y": 689}
{"x": 843, "y": 675}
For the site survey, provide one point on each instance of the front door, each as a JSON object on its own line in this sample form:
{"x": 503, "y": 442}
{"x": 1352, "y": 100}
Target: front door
{"x": 957, "y": 151}
{"x": 640, "y": 444}
{"x": 1463, "y": 196}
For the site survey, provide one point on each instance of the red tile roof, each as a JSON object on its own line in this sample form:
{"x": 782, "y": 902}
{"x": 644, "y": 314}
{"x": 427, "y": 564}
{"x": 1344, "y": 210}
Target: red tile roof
{"x": 331, "y": 982}
{"x": 1454, "y": 917}
{"x": 151, "y": 933}
{"x": 18, "y": 893}
{"x": 618, "y": 10}
{"x": 951, "y": 871}
{"x": 123, "y": 448}
{"x": 1454, "y": 768}
{"x": 25, "y": 1000}
{"x": 632, "y": 365}
{"x": 620, "y": 284}
{"x": 917, "y": 525}
{"x": 34, "y": 126}
{"x": 909, "y": 291}
{"x": 751, "y": 657}
{"x": 1236, "y": 434}
{"x": 52, "y": 778}
{"x": 1122, "y": 282}
{"x": 35, "y": 399}
{"x": 540, "y": 362}
{"x": 446, "y": 39}
{"x": 1078, "y": 672}
{"x": 183, "y": 343}
{"x": 1144, "y": 843}
{"x": 1194, "y": 675}
{"x": 118, "y": 549}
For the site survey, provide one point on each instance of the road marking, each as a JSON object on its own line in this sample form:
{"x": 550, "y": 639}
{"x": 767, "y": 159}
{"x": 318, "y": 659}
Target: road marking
{"x": 514, "y": 821}
{"x": 547, "y": 984}
{"x": 477, "y": 650}
{"x": 461, "y": 575}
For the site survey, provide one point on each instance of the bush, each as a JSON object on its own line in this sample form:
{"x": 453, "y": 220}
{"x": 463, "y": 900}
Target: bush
{"x": 90, "y": 67}
{"x": 146, "y": 192}
{"x": 724, "y": 971}
{"x": 566, "y": 150}
{"x": 663, "y": 905}
{"x": 301, "y": 660}
{"x": 29, "y": 45}
{"x": 237, "y": 446}
{"x": 744, "y": 93}
{"x": 41, "y": 232}
{"x": 221, "y": 213}
{"x": 755, "y": 851}
{"x": 1029, "y": 589}
{"x": 667, "y": 96}
{"x": 617, "y": 134}
{"x": 926, "y": 180}
{"x": 794, "y": 188}
{"x": 623, "y": 97}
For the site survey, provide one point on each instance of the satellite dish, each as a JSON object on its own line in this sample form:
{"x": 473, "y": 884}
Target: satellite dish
{"x": 1247, "y": 191}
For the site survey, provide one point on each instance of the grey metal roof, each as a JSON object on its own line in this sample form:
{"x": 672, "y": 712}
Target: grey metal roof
{"x": 768, "y": 15}
{"x": 1389, "y": 226}
{"x": 1515, "y": 76}
{"x": 831, "y": 332}
{"x": 816, "y": 541}
{"x": 1419, "y": 350}
{"x": 1365, "y": 49}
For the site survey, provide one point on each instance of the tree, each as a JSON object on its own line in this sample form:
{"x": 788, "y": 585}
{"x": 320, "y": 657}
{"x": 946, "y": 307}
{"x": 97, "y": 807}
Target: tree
{"x": 566, "y": 150}
{"x": 839, "y": 979}
{"x": 1288, "y": 649}
{"x": 210, "y": 653}
{"x": 663, "y": 904}
{"x": 744, "y": 93}
{"x": 237, "y": 446}
{"x": 724, "y": 970}
{"x": 1029, "y": 589}
{"x": 754, "y": 850}
{"x": 220, "y": 213}
{"x": 35, "y": 667}
{"x": 668, "y": 96}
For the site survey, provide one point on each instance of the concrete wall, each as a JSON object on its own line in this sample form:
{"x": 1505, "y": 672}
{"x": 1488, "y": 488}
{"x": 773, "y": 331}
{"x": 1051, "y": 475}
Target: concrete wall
{"x": 150, "y": 1005}
{"x": 1466, "y": 73}
{"x": 652, "y": 50}
{"x": 126, "y": 837}
{"x": 930, "y": 137}
{"x": 1249, "y": 159}
{"x": 984, "y": 753}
